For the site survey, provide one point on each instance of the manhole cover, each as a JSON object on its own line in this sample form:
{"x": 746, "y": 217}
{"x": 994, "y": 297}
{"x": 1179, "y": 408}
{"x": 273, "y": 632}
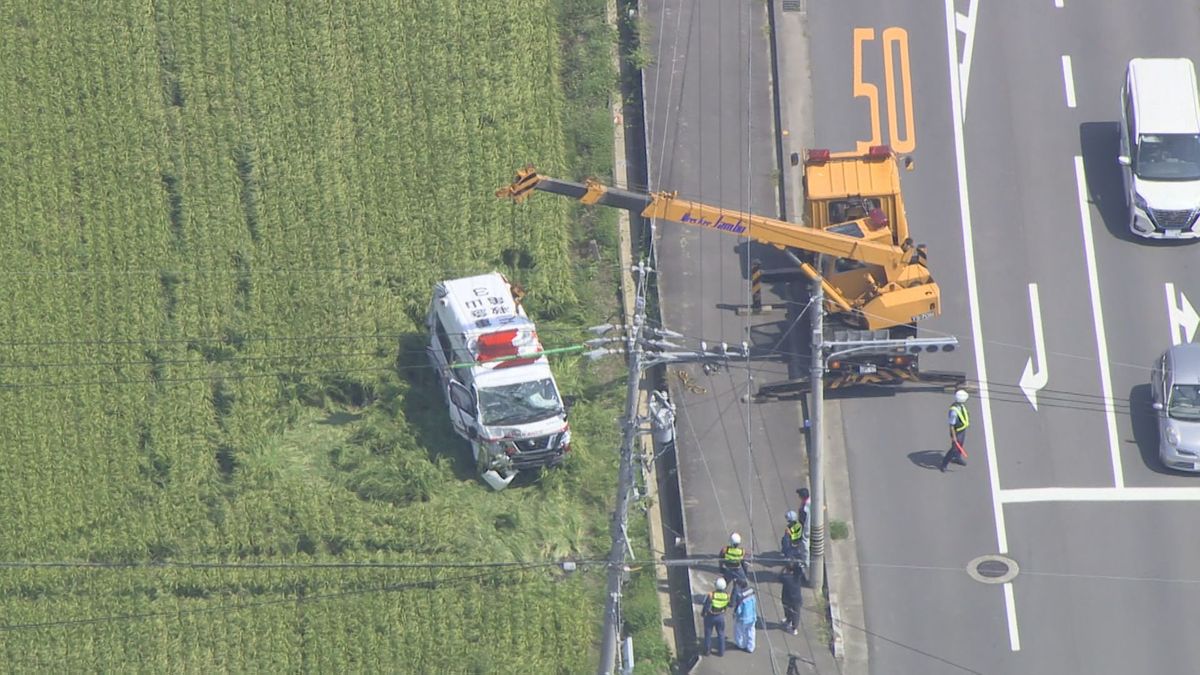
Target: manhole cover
{"x": 993, "y": 569}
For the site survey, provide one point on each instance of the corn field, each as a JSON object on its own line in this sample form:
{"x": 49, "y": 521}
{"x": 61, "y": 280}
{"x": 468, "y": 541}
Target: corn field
{"x": 220, "y": 221}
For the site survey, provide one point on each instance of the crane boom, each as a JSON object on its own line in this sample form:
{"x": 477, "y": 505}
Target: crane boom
{"x": 893, "y": 258}
{"x": 854, "y": 212}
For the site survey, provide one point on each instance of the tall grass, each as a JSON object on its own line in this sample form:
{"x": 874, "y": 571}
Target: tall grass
{"x": 220, "y": 222}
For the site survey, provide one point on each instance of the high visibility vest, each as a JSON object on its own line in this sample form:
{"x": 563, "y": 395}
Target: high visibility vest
{"x": 733, "y": 555}
{"x": 795, "y": 532}
{"x": 964, "y": 418}
{"x": 718, "y": 601}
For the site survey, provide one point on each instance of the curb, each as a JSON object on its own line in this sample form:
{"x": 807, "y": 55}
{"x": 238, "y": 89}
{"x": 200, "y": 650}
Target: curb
{"x": 789, "y": 44}
{"x": 842, "y": 556}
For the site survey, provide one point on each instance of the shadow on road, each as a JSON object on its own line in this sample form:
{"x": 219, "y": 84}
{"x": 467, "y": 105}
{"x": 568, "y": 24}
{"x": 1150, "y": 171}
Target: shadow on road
{"x": 1100, "y": 143}
{"x": 1145, "y": 428}
{"x": 927, "y": 459}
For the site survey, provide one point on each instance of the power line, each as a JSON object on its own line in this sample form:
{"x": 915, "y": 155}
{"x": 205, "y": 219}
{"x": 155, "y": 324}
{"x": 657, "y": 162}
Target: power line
{"x": 231, "y": 607}
{"x": 185, "y": 564}
{"x": 233, "y": 338}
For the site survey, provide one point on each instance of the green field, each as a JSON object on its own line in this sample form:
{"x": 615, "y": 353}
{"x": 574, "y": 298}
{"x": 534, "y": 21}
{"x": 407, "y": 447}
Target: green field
{"x": 221, "y": 226}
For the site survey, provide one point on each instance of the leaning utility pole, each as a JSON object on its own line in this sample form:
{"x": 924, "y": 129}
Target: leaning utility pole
{"x": 816, "y": 433}
{"x": 646, "y": 347}
{"x": 620, "y": 535}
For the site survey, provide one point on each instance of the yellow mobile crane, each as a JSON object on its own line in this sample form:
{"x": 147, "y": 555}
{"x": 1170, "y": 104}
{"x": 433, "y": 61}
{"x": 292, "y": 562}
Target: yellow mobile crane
{"x": 854, "y": 212}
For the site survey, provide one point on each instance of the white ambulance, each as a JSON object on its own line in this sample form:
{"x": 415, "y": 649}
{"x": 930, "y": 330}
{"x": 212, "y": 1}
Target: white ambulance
{"x": 498, "y": 385}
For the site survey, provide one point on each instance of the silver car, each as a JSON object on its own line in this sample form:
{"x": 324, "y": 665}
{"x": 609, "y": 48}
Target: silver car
{"x": 1175, "y": 388}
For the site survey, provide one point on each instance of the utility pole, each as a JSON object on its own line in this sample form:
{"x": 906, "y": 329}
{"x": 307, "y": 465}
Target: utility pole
{"x": 646, "y": 347}
{"x": 816, "y": 433}
{"x": 616, "y": 554}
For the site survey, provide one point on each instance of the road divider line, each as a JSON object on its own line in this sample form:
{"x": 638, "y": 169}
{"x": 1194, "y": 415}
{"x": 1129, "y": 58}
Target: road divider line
{"x": 972, "y": 282}
{"x": 1069, "y": 80}
{"x": 1010, "y": 606}
{"x": 1058, "y": 3}
{"x": 1100, "y": 494}
{"x": 1106, "y": 388}
{"x": 989, "y": 442}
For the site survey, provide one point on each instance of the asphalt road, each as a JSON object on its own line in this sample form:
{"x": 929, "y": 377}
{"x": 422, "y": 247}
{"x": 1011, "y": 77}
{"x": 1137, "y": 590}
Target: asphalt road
{"x": 1016, "y": 187}
{"x": 710, "y": 138}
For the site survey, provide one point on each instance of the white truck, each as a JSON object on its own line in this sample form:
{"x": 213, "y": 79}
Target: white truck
{"x": 502, "y": 396}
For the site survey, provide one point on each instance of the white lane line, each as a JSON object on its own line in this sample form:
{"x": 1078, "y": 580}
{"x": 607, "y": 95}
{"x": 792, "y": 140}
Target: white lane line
{"x": 956, "y": 122}
{"x": 1106, "y": 388}
{"x": 1010, "y": 605}
{"x": 972, "y": 283}
{"x": 1058, "y": 3}
{"x": 1103, "y": 494}
{"x": 1069, "y": 80}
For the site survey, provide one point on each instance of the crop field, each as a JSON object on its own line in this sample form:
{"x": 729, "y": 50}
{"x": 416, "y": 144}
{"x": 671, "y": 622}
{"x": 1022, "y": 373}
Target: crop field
{"x": 221, "y": 223}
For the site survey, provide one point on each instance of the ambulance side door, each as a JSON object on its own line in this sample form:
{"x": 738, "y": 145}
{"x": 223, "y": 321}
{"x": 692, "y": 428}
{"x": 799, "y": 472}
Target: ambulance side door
{"x": 462, "y": 409}
{"x": 440, "y": 352}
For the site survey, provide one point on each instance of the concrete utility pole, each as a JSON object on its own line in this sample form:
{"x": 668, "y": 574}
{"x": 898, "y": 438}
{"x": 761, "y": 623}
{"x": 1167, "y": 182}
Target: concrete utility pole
{"x": 616, "y": 554}
{"x": 646, "y": 347}
{"x": 816, "y": 432}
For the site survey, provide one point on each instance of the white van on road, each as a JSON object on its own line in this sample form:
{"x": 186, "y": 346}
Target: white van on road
{"x": 502, "y": 396}
{"x": 1160, "y": 147}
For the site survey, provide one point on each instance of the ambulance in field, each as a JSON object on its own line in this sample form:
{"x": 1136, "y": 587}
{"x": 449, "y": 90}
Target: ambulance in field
{"x": 501, "y": 394}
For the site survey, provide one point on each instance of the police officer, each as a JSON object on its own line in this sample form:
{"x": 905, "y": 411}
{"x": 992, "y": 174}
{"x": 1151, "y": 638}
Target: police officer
{"x": 733, "y": 559}
{"x": 714, "y": 617}
{"x": 960, "y": 419}
{"x": 793, "y": 535}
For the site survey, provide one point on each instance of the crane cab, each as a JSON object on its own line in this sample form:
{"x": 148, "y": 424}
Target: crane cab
{"x": 855, "y": 194}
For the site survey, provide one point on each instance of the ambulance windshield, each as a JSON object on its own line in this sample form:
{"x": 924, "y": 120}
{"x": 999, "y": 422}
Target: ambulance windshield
{"x": 522, "y": 403}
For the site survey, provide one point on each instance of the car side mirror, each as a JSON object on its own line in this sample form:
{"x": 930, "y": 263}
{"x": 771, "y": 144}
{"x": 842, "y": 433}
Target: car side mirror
{"x": 1156, "y": 406}
{"x": 1123, "y": 160}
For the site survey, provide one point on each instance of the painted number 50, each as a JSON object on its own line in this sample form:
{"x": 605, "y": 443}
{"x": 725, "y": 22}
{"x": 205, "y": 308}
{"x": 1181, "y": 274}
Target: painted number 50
{"x": 895, "y": 44}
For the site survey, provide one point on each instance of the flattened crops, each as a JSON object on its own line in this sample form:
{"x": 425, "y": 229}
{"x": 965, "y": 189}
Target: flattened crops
{"x": 220, "y": 227}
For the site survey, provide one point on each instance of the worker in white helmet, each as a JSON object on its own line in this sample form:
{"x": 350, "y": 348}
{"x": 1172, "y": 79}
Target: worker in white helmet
{"x": 959, "y": 420}
{"x": 732, "y": 559}
{"x": 793, "y": 535}
{"x": 715, "y": 605}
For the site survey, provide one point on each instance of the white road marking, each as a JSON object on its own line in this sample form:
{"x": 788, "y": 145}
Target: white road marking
{"x": 1034, "y": 378}
{"x": 1010, "y": 606}
{"x": 1106, "y": 388}
{"x": 1183, "y": 317}
{"x": 964, "y": 23}
{"x": 1069, "y": 80}
{"x": 1100, "y": 494}
{"x": 957, "y": 101}
{"x": 1058, "y": 3}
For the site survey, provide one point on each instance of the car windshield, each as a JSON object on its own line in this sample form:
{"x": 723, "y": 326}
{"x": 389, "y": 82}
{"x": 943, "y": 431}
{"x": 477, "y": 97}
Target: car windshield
{"x": 1184, "y": 403}
{"x": 521, "y": 403}
{"x": 1168, "y": 157}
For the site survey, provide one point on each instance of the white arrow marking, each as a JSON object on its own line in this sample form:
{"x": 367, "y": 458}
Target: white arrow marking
{"x": 1034, "y": 379}
{"x": 1182, "y": 316}
{"x": 965, "y": 24}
